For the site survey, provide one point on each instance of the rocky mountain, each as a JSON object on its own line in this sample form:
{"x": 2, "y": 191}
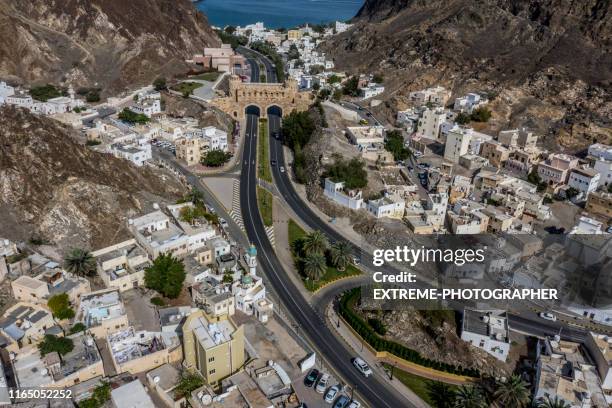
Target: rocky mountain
{"x": 102, "y": 43}
{"x": 546, "y": 63}
{"x": 54, "y": 187}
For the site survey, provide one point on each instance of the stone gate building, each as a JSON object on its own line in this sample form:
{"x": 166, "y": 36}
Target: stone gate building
{"x": 262, "y": 96}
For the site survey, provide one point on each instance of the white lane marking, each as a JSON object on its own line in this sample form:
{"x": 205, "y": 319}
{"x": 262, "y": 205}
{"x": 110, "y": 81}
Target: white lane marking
{"x": 305, "y": 316}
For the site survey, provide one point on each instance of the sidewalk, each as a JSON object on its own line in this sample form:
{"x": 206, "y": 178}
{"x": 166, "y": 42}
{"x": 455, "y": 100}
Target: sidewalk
{"x": 365, "y": 353}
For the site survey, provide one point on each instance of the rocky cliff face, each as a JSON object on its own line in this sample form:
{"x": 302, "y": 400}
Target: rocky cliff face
{"x": 105, "y": 43}
{"x": 54, "y": 187}
{"x": 547, "y": 62}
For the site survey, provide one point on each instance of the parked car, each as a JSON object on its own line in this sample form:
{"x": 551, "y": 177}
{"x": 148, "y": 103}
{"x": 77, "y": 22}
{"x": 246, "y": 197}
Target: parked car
{"x": 331, "y": 394}
{"x": 362, "y": 366}
{"x": 322, "y": 384}
{"x": 311, "y": 378}
{"x": 223, "y": 223}
{"x": 548, "y": 316}
{"x": 356, "y": 260}
{"x": 354, "y": 404}
{"x": 342, "y": 402}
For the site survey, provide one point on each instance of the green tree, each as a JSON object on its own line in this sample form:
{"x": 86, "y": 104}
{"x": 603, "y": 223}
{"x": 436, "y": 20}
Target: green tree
{"x": 548, "y": 402}
{"x": 298, "y": 128}
{"x": 100, "y": 396}
{"x": 160, "y": 84}
{"x": 333, "y": 79}
{"x": 481, "y": 114}
{"x": 351, "y": 86}
{"x": 166, "y": 275}
{"x": 514, "y": 392}
{"x": 341, "y": 255}
{"x": 463, "y": 118}
{"x": 93, "y": 96}
{"x": 314, "y": 266}
{"x": 60, "y": 306}
{"x": 394, "y": 143}
{"x": 228, "y": 278}
{"x": 440, "y": 394}
{"x": 129, "y": 116}
{"x": 51, "y": 343}
{"x": 216, "y": 158}
{"x": 80, "y": 262}
{"x": 378, "y": 78}
{"x": 293, "y": 52}
{"x": 315, "y": 243}
{"x": 189, "y": 382}
{"x": 195, "y": 196}
{"x": 351, "y": 172}
{"x": 469, "y": 396}
{"x": 78, "y": 327}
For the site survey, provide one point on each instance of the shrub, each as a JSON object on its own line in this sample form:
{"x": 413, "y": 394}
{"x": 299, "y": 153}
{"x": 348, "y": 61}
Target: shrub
{"x": 216, "y": 158}
{"x": 51, "y": 343}
{"x": 78, "y": 327}
{"x": 60, "y": 306}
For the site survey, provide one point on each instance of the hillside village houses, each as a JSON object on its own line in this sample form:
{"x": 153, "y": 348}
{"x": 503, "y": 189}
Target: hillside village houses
{"x": 21, "y": 98}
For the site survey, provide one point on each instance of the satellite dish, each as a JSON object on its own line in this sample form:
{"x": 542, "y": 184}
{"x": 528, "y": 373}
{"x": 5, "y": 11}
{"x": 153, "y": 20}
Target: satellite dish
{"x": 206, "y": 399}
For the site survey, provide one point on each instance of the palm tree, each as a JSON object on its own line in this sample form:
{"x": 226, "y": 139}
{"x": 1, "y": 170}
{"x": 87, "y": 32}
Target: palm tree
{"x": 341, "y": 254}
{"x": 314, "y": 266}
{"x": 469, "y": 397}
{"x": 80, "y": 262}
{"x": 315, "y": 243}
{"x": 552, "y": 403}
{"x": 440, "y": 394}
{"x": 513, "y": 393}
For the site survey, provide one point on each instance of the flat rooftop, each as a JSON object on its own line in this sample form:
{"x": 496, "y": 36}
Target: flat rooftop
{"x": 493, "y": 324}
{"x": 212, "y": 334}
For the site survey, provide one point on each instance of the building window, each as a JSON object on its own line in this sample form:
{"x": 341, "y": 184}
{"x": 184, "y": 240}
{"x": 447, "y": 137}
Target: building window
{"x": 211, "y": 371}
{"x": 211, "y": 359}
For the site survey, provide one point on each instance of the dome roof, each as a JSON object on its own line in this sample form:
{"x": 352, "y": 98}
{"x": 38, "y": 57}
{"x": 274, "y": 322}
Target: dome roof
{"x": 252, "y": 250}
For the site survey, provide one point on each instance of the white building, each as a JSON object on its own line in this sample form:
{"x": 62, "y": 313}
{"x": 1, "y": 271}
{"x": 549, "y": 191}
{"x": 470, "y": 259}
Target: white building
{"x": 584, "y": 180}
{"x": 604, "y": 168}
{"x": 386, "y": 207}
{"x": 5, "y": 90}
{"x": 371, "y": 90}
{"x": 341, "y": 27}
{"x": 431, "y": 122}
{"x": 600, "y": 349}
{"x": 148, "y": 107}
{"x": 409, "y": 118}
{"x": 469, "y": 102}
{"x": 213, "y": 138}
{"x": 457, "y": 144}
{"x": 136, "y": 153}
{"x": 487, "y": 330}
{"x": 335, "y": 192}
{"x": 597, "y": 150}
{"x": 437, "y": 95}
{"x": 366, "y": 136}
{"x": 131, "y": 395}
{"x": 587, "y": 226}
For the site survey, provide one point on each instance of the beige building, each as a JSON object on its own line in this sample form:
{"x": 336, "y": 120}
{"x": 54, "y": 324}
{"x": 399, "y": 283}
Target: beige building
{"x": 494, "y": 152}
{"x": 122, "y": 265}
{"x": 164, "y": 379}
{"x": 79, "y": 365}
{"x": 138, "y": 351}
{"x": 600, "y": 349}
{"x": 214, "y": 348}
{"x": 49, "y": 283}
{"x": 189, "y": 150}
{"x": 600, "y": 203}
{"x": 262, "y": 96}
{"x": 102, "y": 312}
{"x": 25, "y": 324}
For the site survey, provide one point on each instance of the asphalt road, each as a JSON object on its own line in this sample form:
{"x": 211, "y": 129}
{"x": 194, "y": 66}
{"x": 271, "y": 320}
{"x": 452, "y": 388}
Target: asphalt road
{"x": 310, "y": 322}
{"x": 252, "y": 54}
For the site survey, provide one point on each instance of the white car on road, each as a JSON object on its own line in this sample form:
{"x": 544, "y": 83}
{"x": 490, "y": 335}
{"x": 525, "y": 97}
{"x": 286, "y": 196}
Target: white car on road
{"x": 362, "y": 366}
{"x": 223, "y": 223}
{"x": 548, "y": 316}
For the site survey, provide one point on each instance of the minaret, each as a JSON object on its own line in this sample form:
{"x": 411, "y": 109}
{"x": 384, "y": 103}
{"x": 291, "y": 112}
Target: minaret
{"x": 251, "y": 259}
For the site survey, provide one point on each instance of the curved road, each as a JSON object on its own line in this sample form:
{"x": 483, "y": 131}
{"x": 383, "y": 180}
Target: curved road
{"x": 310, "y": 321}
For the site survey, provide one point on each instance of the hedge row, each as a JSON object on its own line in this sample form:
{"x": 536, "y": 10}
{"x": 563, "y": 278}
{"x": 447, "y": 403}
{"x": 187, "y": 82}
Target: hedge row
{"x": 379, "y": 344}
